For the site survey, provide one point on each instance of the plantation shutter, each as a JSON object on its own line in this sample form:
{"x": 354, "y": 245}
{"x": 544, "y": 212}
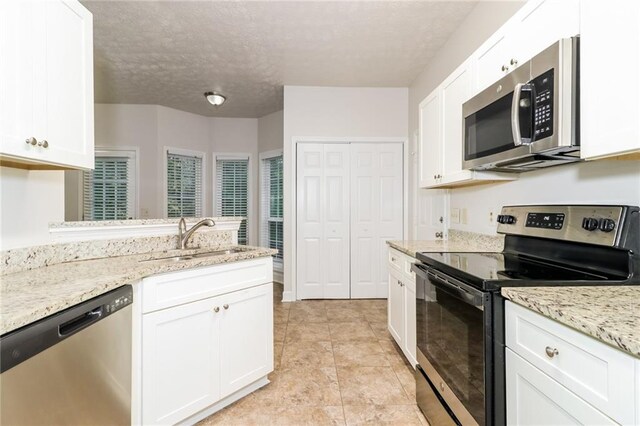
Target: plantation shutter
{"x": 232, "y": 191}
{"x": 272, "y": 207}
{"x": 109, "y": 189}
{"x": 184, "y": 185}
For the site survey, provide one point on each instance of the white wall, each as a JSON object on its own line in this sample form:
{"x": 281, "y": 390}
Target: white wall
{"x": 428, "y": 205}
{"x": 29, "y": 200}
{"x": 151, "y": 128}
{"x": 596, "y": 182}
{"x": 271, "y": 131}
{"x": 337, "y": 112}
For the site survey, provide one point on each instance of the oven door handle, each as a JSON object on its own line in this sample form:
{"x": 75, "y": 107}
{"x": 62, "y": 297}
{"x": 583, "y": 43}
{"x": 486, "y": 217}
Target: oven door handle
{"x": 456, "y": 288}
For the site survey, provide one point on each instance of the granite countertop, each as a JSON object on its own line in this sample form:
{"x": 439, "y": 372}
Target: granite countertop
{"x": 411, "y": 247}
{"x": 136, "y": 222}
{"x": 34, "y": 294}
{"x": 610, "y": 314}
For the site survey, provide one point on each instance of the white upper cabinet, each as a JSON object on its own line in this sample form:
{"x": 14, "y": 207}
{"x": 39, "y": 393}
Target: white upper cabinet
{"x": 441, "y": 134}
{"x": 46, "y": 84}
{"x": 609, "y": 78}
{"x": 535, "y": 27}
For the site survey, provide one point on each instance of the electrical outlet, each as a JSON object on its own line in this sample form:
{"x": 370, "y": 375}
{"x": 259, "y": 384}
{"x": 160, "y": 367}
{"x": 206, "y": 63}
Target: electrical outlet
{"x": 490, "y": 217}
{"x": 463, "y": 216}
{"x": 455, "y": 215}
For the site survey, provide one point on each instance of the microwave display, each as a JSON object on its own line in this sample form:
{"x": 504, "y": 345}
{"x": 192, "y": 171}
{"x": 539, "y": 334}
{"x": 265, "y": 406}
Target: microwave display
{"x": 543, "y": 114}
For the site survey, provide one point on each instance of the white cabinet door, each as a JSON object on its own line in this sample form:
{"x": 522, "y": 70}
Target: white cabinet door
{"x": 323, "y": 221}
{"x": 246, "y": 342}
{"x": 491, "y": 63}
{"x": 180, "y": 361}
{"x": 376, "y": 214}
{"x": 456, "y": 90}
{"x": 410, "y": 323}
{"x": 46, "y": 83}
{"x": 430, "y": 131}
{"x": 533, "y": 398}
{"x": 22, "y": 68}
{"x": 69, "y": 83}
{"x": 395, "y": 310}
{"x": 559, "y": 18}
{"x": 609, "y": 106}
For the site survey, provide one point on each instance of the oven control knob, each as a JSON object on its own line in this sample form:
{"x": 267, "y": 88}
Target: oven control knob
{"x": 506, "y": 218}
{"x": 606, "y": 225}
{"x": 590, "y": 223}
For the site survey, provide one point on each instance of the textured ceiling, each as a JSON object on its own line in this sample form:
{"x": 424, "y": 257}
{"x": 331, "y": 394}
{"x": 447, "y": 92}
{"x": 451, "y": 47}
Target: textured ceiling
{"x": 171, "y": 52}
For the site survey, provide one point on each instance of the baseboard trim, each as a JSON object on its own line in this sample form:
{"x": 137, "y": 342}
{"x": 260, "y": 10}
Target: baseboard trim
{"x": 287, "y": 296}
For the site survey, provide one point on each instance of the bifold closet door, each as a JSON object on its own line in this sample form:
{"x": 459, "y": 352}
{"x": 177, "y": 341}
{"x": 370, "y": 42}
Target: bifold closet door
{"x": 376, "y": 214}
{"x": 322, "y": 267}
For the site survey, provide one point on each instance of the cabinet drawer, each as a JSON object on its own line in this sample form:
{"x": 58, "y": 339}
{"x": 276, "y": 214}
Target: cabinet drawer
{"x": 175, "y": 288}
{"x": 597, "y": 373}
{"x": 533, "y": 398}
{"x": 402, "y": 263}
{"x": 395, "y": 259}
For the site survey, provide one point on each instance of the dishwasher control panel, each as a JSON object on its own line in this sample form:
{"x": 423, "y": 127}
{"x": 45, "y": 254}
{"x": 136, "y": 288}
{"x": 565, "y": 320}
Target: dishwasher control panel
{"x": 119, "y": 303}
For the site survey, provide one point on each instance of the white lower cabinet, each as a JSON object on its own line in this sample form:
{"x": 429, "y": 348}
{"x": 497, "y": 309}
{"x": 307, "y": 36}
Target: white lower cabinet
{"x": 533, "y": 398}
{"x": 401, "y": 304}
{"x": 194, "y": 356}
{"x": 556, "y": 375}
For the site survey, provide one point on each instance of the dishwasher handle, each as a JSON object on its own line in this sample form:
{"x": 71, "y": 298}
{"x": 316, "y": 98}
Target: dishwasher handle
{"x": 80, "y": 322}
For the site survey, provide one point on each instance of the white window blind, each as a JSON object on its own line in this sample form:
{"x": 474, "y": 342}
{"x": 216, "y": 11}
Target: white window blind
{"x": 272, "y": 207}
{"x": 109, "y": 189}
{"x": 184, "y": 185}
{"x": 232, "y": 191}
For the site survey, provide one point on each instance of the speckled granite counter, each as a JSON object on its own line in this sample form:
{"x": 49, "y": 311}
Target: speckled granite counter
{"x": 610, "y": 314}
{"x": 458, "y": 241}
{"x": 30, "y": 295}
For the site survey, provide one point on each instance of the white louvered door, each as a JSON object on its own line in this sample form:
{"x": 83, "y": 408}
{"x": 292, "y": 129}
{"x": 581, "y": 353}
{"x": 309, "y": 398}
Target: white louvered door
{"x": 323, "y": 221}
{"x": 349, "y": 203}
{"x": 376, "y": 214}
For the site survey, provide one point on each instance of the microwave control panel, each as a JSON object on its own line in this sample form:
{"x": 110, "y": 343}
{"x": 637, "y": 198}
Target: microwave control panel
{"x": 543, "y": 112}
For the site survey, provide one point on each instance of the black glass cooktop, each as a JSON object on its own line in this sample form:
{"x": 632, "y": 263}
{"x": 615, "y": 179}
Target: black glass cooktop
{"x": 494, "y": 270}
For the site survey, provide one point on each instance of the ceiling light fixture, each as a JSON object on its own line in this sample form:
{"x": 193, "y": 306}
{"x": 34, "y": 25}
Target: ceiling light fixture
{"x": 215, "y": 99}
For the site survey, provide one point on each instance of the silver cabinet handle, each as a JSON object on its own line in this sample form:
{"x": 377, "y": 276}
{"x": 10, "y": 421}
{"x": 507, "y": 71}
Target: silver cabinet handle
{"x": 439, "y": 235}
{"x": 225, "y": 306}
{"x": 393, "y": 259}
{"x": 31, "y": 141}
{"x": 45, "y": 144}
{"x": 514, "y": 62}
{"x": 442, "y": 386}
{"x": 505, "y": 68}
{"x": 216, "y": 309}
{"x": 551, "y": 352}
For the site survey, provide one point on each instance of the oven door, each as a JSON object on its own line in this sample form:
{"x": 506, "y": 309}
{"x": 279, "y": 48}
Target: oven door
{"x": 453, "y": 346}
{"x": 498, "y": 122}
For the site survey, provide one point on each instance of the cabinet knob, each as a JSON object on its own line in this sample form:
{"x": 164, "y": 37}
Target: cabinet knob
{"x": 225, "y": 306}
{"x": 442, "y": 386}
{"x": 31, "y": 141}
{"x": 216, "y": 309}
{"x": 551, "y": 352}
{"x": 435, "y": 176}
{"x": 514, "y": 62}
{"x": 505, "y": 68}
{"x": 45, "y": 144}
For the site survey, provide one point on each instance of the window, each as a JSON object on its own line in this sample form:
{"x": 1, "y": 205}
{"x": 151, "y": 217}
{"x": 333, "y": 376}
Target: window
{"x": 109, "y": 190}
{"x": 184, "y": 184}
{"x": 271, "y": 194}
{"x": 232, "y": 190}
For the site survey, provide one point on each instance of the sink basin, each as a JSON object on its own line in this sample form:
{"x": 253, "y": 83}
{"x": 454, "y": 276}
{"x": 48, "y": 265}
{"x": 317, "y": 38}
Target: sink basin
{"x": 181, "y": 257}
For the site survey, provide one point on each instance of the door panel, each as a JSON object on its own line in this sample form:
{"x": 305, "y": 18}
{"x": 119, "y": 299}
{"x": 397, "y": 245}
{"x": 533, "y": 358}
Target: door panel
{"x": 430, "y": 128}
{"x": 395, "y": 310}
{"x": 242, "y": 360}
{"x": 376, "y": 214}
{"x": 180, "y": 362}
{"x": 323, "y": 221}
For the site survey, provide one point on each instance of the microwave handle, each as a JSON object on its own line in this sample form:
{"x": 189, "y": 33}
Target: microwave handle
{"x": 518, "y": 140}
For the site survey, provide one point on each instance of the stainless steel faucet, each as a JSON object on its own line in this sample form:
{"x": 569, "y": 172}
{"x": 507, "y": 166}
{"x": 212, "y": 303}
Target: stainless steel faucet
{"x": 184, "y": 234}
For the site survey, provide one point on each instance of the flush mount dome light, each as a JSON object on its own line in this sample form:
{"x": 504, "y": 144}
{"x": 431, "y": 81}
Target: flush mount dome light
{"x": 215, "y": 99}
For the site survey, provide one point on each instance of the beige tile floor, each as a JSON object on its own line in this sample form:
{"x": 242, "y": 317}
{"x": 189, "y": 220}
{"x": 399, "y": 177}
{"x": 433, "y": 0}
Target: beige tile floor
{"x": 335, "y": 364}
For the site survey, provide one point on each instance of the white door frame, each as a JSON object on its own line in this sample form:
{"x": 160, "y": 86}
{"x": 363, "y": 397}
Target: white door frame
{"x": 292, "y": 295}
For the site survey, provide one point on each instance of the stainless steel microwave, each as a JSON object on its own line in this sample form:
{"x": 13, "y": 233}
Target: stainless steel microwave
{"x": 529, "y": 119}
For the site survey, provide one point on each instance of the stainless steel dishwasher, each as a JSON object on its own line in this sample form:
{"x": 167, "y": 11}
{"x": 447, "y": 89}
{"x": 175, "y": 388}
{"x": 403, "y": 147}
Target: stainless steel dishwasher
{"x": 71, "y": 368}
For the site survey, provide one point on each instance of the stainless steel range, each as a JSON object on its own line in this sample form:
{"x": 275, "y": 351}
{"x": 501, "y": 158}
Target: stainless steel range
{"x": 460, "y": 313}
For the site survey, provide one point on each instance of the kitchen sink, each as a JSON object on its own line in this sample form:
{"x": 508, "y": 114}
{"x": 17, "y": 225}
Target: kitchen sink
{"x": 182, "y": 257}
